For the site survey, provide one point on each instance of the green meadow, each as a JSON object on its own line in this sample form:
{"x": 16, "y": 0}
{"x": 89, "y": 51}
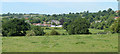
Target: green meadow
{"x": 62, "y": 43}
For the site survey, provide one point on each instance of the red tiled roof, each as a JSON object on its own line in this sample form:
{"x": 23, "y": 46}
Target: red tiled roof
{"x": 26, "y": 18}
{"x": 41, "y": 24}
{"x": 117, "y": 11}
{"x": 116, "y": 17}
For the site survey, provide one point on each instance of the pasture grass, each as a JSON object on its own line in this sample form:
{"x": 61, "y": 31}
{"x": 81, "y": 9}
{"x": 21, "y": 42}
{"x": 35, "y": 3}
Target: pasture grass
{"x": 62, "y": 43}
{"x": 0, "y": 44}
{"x": 61, "y": 30}
{"x": 95, "y": 30}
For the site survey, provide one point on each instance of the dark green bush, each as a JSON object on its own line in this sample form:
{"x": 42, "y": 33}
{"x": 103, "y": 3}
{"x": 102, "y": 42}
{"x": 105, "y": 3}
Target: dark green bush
{"x": 30, "y": 33}
{"x": 63, "y": 33}
{"x": 53, "y": 32}
{"x": 47, "y": 28}
{"x": 38, "y": 30}
{"x": 56, "y": 28}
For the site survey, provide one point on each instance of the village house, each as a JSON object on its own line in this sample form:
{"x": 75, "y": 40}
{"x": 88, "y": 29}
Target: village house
{"x": 56, "y": 26}
{"x": 54, "y": 21}
{"x": 97, "y": 21}
{"x": 116, "y": 18}
{"x": 49, "y": 23}
{"x": 116, "y": 11}
{"x": 39, "y": 24}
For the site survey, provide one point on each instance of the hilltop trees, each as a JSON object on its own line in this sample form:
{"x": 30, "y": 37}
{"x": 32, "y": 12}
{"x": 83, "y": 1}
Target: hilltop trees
{"x": 15, "y": 27}
{"x": 115, "y": 27}
{"x": 65, "y": 25}
{"x": 79, "y": 26}
{"x": 106, "y": 17}
{"x": 97, "y": 20}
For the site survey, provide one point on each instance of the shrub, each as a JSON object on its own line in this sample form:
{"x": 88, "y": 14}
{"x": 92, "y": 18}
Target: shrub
{"x": 53, "y": 32}
{"x": 102, "y": 33}
{"x": 47, "y": 34}
{"x": 38, "y": 30}
{"x": 56, "y": 28}
{"x": 47, "y": 28}
{"x": 63, "y": 33}
{"x": 108, "y": 30}
{"x": 30, "y": 33}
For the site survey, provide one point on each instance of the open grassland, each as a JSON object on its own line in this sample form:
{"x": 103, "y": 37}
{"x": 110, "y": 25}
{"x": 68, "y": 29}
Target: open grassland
{"x": 62, "y": 43}
{"x": 58, "y": 29}
{"x": 0, "y": 45}
{"x": 63, "y": 31}
{"x": 95, "y": 30}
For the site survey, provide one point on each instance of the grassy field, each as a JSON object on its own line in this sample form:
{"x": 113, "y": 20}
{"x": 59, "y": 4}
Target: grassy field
{"x": 61, "y": 31}
{"x": 62, "y": 43}
{"x": 95, "y": 30}
{"x": 0, "y": 45}
{"x": 67, "y": 43}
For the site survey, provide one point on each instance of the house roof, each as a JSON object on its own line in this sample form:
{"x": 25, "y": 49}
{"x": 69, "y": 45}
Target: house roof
{"x": 117, "y": 11}
{"x": 41, "y": 24}
{"x": 26, "y": 18}
{"x": 116, "y": 17}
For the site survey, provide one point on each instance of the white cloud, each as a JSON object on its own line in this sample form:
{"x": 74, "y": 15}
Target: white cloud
{"x": 59, "y": 0}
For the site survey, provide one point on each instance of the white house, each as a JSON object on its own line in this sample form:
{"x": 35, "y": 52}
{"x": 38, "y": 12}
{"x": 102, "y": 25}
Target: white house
{"x": 59, "y": 26}
{"x": 97, "y": 21}
{"x": 56, "y": 26}
{"x": 52, "y": 26}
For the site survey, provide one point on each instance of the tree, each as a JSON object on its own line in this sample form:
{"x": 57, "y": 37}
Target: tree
{"x": 53, "y": 23}
{"x": 79, "y": 26}
{"x": 53, "y": 32}
{"x": 119, "y": 13}
{"x": 15, "y": 27}
{"x": 38, "y": 30}
{"x": 62, "y": 21}
{"x": 65, "y": 24}
{"x": 109, "y": 10}
{"x": 115, "y": 27}
{"x": 30, "y": 33}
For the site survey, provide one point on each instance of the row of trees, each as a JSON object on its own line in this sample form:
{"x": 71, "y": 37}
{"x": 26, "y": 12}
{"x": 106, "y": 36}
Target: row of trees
{"x": 18, "y": 27}
{"x": 115, "y": 27}
{"x": 74, "y": 23}
{"x": 106, "y": 17}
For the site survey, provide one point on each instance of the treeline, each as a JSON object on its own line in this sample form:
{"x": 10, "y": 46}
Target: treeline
{"x": 18, "y": 27}
{"x": 74, "y": 23}
{"x": 98, "y": 20}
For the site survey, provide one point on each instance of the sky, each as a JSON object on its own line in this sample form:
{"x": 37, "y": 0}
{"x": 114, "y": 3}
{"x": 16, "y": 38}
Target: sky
{"x": 58, "y": 0}
{"x": 54, "y": 7}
